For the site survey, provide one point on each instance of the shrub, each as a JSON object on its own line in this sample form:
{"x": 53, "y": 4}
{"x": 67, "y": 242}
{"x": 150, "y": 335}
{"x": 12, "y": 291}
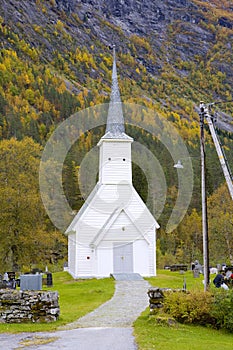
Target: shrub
{"x": 203, "y": 308}
{"x": 193, "y": 307}
{"x": 222, "y": 309}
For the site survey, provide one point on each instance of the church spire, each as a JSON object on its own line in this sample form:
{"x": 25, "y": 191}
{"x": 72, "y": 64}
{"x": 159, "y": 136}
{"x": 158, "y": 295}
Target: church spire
{"x": 115, "y": 127}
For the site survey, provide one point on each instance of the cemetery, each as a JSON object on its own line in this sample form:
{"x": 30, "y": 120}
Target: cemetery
{"x": 22, "y": 299}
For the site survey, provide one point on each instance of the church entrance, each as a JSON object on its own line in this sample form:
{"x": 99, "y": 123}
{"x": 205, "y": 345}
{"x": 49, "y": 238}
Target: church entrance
{"x": 123, "y": 257}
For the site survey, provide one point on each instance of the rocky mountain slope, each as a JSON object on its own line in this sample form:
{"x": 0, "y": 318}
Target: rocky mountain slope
{"x": 173, "y": 52}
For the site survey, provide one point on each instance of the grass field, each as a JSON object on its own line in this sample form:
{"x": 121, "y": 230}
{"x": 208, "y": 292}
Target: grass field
{"x": 77, "y": 298}
{"x": 149, "y": 335}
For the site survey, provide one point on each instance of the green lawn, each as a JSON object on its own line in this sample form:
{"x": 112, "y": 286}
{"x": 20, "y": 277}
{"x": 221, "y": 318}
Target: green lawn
{"x": 149, "y": 335}
{"x": 76, "y": 298}
{"x": 166, "y": 278}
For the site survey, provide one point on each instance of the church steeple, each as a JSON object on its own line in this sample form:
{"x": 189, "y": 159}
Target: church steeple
{"x": 115, "y": 146}
{"x": 115, "y": 127}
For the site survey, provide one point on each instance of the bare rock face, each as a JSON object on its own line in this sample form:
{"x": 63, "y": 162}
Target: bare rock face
{"x": 65, "y": 5}
{"x": 144, "y": 15}
{"x": 174, "y": 27}
{"x": 169, "y": 25}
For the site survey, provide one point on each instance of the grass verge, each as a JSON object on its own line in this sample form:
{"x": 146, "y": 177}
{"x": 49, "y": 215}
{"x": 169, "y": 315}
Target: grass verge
{"x": 150, "y": 335}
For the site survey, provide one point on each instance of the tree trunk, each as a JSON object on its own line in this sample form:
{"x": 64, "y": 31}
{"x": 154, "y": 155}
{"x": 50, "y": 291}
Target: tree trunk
{"x": 15, "y": 258}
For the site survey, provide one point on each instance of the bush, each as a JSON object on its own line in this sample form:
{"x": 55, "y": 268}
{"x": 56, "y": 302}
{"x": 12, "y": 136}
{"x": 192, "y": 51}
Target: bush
{"x": 203, "y": 308}
{"x": 193, "y": 307}
{"x": 222, "y": 309}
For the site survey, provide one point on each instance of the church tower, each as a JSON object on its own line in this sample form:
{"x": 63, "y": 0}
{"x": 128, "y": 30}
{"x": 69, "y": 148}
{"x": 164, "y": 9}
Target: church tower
{"x": 115, "y": 146}
{"x": 113, "y": 232}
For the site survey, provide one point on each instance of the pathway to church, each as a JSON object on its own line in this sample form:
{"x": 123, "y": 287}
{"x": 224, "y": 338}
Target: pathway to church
{"x": 107, "y": 327}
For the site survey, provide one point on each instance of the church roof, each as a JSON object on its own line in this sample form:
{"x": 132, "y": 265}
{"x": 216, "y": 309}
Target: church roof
{"x": 105, "y": 203}
{"x": 103, "y": 230}
{"x": 115, "y": 128}
{"x": 83, "y": 208}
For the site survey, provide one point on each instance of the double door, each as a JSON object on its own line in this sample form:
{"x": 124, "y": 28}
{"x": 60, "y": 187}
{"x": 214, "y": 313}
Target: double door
{"x": 123, "y": 257}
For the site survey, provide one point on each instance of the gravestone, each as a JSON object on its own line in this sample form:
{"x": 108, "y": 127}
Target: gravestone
{"x": 31, "y": 282}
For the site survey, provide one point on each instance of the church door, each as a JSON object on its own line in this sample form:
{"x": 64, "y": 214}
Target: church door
{"x": 123, "y": 257}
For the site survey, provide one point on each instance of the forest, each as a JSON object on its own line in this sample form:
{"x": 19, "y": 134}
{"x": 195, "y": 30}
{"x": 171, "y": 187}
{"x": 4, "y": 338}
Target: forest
{"x": 59, "y": 63}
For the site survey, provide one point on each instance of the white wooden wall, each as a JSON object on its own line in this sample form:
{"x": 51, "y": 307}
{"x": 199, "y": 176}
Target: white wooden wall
{"x": 72, "y": 255}
{"x": 115, "y": 162}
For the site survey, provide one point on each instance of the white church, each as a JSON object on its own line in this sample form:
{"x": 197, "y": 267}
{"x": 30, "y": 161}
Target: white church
{"x": 113, "y": 232}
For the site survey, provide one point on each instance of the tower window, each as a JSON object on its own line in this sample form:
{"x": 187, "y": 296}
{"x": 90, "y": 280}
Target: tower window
{"x": 123, "y": 159}
{"x": 109, "y": 158}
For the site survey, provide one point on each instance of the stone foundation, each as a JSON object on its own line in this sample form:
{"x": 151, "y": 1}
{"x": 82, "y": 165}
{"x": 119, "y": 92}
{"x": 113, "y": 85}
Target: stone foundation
{"x": 28, "y": 306}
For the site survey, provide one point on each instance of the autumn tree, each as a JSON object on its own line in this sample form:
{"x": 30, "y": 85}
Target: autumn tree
{"x": 220, "y": 214}
{"x": 25, "y": 237}
{"x": 190, "y": 236}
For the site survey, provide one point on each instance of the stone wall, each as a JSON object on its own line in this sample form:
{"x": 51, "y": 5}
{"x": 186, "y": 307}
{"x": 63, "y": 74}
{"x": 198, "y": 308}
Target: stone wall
{"x": 28, "y": 306}
{"x": 156, "y": 297}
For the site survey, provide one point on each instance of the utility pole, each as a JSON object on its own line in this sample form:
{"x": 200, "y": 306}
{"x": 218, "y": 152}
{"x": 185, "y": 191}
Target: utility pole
{"x": 205, "y": 114}
{"x": 204, "y": 202}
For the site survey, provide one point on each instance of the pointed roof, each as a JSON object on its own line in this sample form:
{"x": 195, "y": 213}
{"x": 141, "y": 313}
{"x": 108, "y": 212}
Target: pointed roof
{"x": 95, "y": 207}
{"x": 115, "y": 127}
{"x": 112, "y": 218}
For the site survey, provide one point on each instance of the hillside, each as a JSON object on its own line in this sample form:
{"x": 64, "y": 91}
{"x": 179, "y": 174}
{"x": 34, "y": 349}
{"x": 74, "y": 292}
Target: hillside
{"x": 56, "y": 59}
{"x": 170, "y": 53}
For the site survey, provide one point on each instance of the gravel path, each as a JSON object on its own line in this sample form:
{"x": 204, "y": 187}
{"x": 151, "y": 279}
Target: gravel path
{"x": 129, "y": 300}
{"x": 107, "y": 327}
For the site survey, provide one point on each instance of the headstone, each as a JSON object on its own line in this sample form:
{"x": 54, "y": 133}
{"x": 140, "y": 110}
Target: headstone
{"x": 196, "y": 273}
{"x": 31, "y": 282}
{"x": 6, "y": 277}
{"x": 49, "y": 279}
